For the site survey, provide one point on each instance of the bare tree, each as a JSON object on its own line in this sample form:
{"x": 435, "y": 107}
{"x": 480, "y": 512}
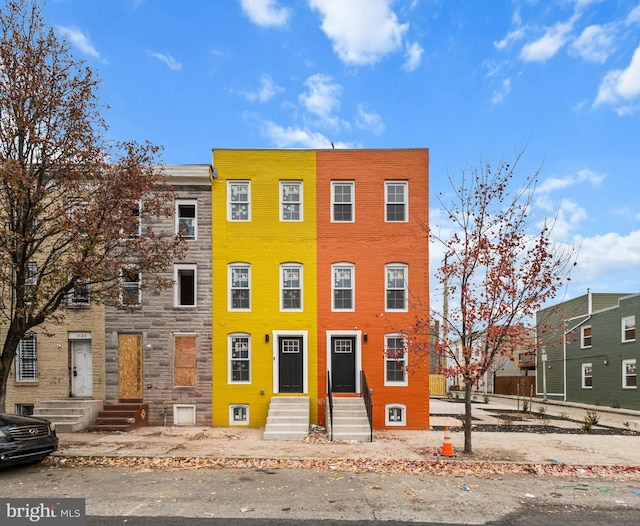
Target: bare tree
{"x": 499, "y": 269}
{"x": 76, "y": 211}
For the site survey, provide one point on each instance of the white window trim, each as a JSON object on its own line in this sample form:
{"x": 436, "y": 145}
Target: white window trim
{"x": 233, "y": 422}
{"x": 139, "y": 282}
{"x": 624, "y": 374}
{"x": 406, "y": 200}
{"x": 71, "y": 296}
{"x": 353, "y": 200}
{"x": 138, "y": 230}
{"x": 176, "y": 409}
{"x": 352, "y": 267}
{"x": 193, "y": 202}
{"x": 176, "y": 285}
{"x": 582, "y": 368}
{"x": 230, "y": 268}
{"x": 297, "y": 266}
{"x": 405, "y": 360}
{"x": 623, "y": 339}
{"x": 18, "y": 360}
{"x": 230, "y": 358}
{"x": 230, "y": 203}
{"x": 405, "y": 267}
{"x": 582, "y": 337}
{"x": 402, "y": 422}
{"x": 282, "y": 203}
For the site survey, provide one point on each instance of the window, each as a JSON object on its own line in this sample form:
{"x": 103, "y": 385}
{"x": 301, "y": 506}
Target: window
{"x": 585, "y": 337}
{"x": 395, "y": 360}
{"x": 343, "y": 284}
{"x": 185, "y": 287}
{"x": 396, "y": 288}
{"x": 134, "y": 229}
{"x": 342, "y": 201}
{"x": 239, "y": 201}
{"x": 587, "y": 376}
{"x": 240, "y": 358}
{"x": 629, "y": 378}
{"x": 240, "y": 289}
{"x": 186, "y": 214}
{"x": 184, "y": 414}
{"x": 395, "y": 198}
{"x": 30, "y": 281}
{"x": 290, "y": 201}
{"x": 24, "y": 409}
{"x": 27, "y": 359}
{"x": 131, "y": 291}
{"x": 395, "y": 415}
{"x": 79, "y": 294}
{"x": 629, "y": 329}
{"x": 184, "y": 360}
{"x": 291, "y": 286}
{"x": 238, "y": 415}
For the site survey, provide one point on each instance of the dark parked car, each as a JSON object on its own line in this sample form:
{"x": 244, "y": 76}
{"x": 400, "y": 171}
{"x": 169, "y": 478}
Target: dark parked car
{"x": 25, "y": 439}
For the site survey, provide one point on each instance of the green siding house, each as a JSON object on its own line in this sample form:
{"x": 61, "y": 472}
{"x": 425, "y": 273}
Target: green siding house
{"x": 587, "y": 350}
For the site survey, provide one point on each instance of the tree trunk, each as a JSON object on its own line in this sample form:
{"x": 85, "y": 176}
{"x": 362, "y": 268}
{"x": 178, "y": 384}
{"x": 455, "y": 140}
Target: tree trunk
{"x": 6, "y": 361}
{"x": 467, "y": 418}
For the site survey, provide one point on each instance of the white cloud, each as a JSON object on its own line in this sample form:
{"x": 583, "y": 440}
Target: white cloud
{"x": 585, "y": 175}
{"x": 512, "y": 36}
{"x": 414, "y": 56}
{"x": 602, "y": 255}
{"x": 323, "y": 96}
{"x": 362, "y": 31}
{"x": 266, "y": 13}
{"x": 549, "y": 44}
{"x": 620, "y": 86}
{"x": 79, "y": 40}
{"x": 594, "y": 44}
{"x": 170, "y": 62}
{"x": 568, "y": 216}
{"x": 500, "y": 94}
{"x": 268, "y": 89}
{"x": 369, "y": 120}
{"x": 294, "y": 136}
{"x": 634, "y": 16}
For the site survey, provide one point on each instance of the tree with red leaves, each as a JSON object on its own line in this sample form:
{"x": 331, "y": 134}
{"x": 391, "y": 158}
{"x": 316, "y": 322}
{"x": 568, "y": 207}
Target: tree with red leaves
{"x": 74, "y": 208}
{"x": 499, "y": 268}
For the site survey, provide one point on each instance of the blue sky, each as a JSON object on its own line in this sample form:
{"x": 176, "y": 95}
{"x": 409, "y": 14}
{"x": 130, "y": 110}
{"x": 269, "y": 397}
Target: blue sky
{"x": 474, "y": 81}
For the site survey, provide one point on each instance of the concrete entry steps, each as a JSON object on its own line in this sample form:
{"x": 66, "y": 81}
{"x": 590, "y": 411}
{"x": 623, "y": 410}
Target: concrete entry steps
{"x": 69, "y": 415}
{"x": 350, "y": 420}
{"x": 288, "y": 418}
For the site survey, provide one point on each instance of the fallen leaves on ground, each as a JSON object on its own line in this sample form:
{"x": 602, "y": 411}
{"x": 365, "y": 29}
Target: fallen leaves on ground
{"x": 358, "y": 465}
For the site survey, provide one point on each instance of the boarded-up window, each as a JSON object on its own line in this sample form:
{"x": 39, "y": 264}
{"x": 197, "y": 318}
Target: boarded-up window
{"x": 184, "y": 370}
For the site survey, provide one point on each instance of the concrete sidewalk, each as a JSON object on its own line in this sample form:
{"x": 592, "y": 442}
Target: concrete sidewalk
{"x": 243, "y": 443}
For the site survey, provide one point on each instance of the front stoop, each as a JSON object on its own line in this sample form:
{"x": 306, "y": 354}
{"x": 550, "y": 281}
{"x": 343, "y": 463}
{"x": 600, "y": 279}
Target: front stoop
{"x": 121, "y": 416}
{"x": 288, "y": 418}
{"x": 69, "y": 415}
{"x": 350, "y": 420}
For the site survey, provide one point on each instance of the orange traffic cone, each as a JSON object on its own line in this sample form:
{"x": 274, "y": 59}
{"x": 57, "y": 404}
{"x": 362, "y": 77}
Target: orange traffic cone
{"x": 447, "y": 446}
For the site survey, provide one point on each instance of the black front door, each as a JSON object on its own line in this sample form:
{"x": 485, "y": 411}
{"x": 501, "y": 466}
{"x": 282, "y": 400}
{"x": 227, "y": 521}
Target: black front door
{"x": 343, "y": 364}
{"x": 290, "y": 365}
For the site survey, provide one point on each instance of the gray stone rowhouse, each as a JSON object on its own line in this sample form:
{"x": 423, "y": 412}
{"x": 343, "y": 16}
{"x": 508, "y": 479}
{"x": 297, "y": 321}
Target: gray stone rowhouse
{"x": 162, "y": 351}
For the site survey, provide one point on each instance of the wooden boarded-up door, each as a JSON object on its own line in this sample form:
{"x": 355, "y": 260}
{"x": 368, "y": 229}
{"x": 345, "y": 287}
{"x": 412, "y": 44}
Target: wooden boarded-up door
{"x": 184, "y": 368}
{"x": 130, "y": 366}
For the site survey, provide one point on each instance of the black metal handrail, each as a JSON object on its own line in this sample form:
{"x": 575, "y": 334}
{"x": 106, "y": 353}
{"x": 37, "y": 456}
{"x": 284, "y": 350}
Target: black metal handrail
{"x": 368, "y": 401}
{"x": 330, "y": 398}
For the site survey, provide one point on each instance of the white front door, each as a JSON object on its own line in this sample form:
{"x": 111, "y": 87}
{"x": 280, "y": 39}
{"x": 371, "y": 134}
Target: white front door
{"x": 81, "y": 368}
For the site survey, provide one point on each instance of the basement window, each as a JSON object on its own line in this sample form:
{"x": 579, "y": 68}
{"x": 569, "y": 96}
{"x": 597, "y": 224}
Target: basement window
{"x": 396, "y": 415}
{"x": 238, "y": 414}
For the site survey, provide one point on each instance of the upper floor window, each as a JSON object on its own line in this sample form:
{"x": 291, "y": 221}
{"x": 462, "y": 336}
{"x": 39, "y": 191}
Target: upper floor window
{"x": 290, "y": 201}
{"x": 396, "y": 201}
{"x": 27, "y": 359}
{"x": 239, "y": 201}
{"x": 185, "y": 287}
{"x": 587, "y": 376}
{"x": 239, "y": 358}
{"x": 79, "y": 294}
{"x": 30, "y": 281}
{"x": 629, "y": 328}
{"x": 395, "y": 360}
{"x": 134, "y": 228}
{"x": 186, "y": 218}
{"x": 291, "y": 287}
{"x": 343, "y": 287}
{"x": 629, "y": 377}
{"x": 240, "y": 287}
{"x": 131, "y": 286}
{"x": 585, "y": 337}
{"x": 342, "y": 201}
{"x": 396, "y": 287}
